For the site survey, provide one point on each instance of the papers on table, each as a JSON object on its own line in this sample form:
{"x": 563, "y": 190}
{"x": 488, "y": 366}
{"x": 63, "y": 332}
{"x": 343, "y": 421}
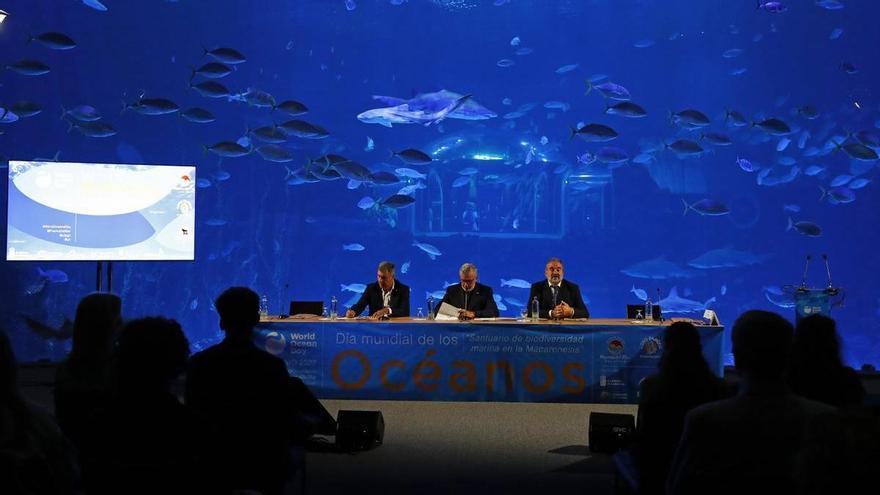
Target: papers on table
{"x": 447, "y": 312}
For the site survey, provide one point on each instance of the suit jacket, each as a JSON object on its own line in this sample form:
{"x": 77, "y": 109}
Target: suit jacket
{"x": 479, "y": 300}
{"x": 372, "y": 297}
{"x": 568, "y": 292}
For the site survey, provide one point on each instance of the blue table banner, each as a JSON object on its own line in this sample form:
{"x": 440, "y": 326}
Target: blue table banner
{"x": 474, "y": 361}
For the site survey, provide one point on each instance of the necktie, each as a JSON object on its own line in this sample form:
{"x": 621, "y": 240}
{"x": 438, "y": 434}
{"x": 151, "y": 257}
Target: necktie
{"x": 555, "y": 290}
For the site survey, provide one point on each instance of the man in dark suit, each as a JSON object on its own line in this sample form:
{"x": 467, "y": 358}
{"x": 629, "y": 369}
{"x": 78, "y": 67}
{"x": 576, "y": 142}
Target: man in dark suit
{"x": 474, "y": 300}
{"x": 387, "y": 297}
{"x": 557, "y": 298}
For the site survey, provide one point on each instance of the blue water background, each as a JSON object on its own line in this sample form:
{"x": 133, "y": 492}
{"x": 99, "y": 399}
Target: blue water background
{"x": 317, "y": 52}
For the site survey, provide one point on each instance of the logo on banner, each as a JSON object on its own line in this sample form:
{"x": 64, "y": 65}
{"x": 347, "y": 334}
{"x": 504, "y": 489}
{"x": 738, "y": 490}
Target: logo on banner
{"x": 275, "y": 343}
{"x": 615, "y": 345}
{"x": 650, "y": 346}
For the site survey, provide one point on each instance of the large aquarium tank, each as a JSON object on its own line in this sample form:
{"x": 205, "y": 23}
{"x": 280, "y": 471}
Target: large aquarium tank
{"x": 693, "y": 153}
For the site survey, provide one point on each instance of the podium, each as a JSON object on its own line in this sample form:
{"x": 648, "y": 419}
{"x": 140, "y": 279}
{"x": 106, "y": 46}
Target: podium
{"x": 808, "y": 302}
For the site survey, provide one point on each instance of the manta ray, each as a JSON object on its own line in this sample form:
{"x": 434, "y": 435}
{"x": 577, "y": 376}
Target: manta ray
{"x": 426, "y": 109}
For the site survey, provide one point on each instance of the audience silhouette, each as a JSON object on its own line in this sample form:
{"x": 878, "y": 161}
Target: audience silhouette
{"x": 751, "y": 441}
{"x": 683, "y": 382}
{"x": 82, "y": 381}
{"x": 145, "y": 440}
{"x": 245, "y": 394}
{"x": 815, "y": 370}
{"x": 35, "y": 457}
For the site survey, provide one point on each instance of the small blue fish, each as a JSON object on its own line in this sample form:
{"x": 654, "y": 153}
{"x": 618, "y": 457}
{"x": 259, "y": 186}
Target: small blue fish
{"x": 370, "y": 144}
{"x": 53, "y": 276}
{"x": 350, "y": 5}
{"x": 813, "y": 170}
{"x": 203, "y": 183}
{"x": 194, "y": 304}
{"x": 835, "y": 33}
{"x": 803, "y": 227}
{"x": 461, "y": 181}
{"x": 216, "y": 222}
{"x": 405, "y": 267}
{"x": 858, "y": 183}
{"x": 516, "y": 282}
{"x": 708, "y": 207}
{"x": 366, "y": 203}
{"x": 640, "y": 293}
{"x": 724, "y": 290}
{"x": 792, "y": 208}
{"x": 505, "y": 62}
{"x": 566, "y": 68}
{"x": 745, "y": 165}
{"x": 353, "y": 247}
{"x": 429, "y": 249}
{"x": 841, "y": 180}
{"x": 356, "y": 288}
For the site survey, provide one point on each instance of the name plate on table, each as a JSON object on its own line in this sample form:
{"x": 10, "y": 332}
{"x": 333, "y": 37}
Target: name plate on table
{"x": 475, "y": 361}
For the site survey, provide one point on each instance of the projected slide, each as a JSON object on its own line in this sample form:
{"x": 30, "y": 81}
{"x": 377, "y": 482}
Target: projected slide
{"x": 96, "y": 211}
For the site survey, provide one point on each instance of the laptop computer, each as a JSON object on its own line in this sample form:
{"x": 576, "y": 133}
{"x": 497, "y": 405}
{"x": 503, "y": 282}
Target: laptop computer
{"x": 633, "y": 309}
{"x": 306, "y": 308}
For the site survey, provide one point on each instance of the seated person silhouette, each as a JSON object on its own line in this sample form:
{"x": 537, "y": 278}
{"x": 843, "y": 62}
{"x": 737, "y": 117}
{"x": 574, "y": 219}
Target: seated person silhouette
{"x": 683, "y": 381}
{"x": 748, "y": 443}
{"x": 244, "y": 393}
{"x": 146, "y": 441}
{"x": 816, "y": 371}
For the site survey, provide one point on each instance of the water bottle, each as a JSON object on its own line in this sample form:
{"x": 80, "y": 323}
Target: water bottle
{"x": 536, "y": 309}
{"x": 649, "y": 310}
{"x": 264, "y": 306}
{"x": 333, "y": 308}
{"x": 430, "y": 307}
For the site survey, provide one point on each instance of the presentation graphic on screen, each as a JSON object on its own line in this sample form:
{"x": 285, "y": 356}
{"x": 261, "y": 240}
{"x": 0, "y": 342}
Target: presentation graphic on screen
{"x": 97, "y": 211}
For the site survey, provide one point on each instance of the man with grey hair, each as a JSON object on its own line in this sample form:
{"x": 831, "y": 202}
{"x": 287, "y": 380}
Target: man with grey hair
{"x": 387, "y": 297}
{"x": 472, "y": 299}
{"x": 557, "y": 298}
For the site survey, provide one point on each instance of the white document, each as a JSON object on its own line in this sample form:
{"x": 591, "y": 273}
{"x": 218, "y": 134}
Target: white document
{"x": 447, "y": 312}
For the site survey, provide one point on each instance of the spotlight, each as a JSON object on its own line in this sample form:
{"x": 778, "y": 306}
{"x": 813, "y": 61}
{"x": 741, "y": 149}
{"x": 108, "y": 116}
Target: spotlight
{"x": 3, "y": 16}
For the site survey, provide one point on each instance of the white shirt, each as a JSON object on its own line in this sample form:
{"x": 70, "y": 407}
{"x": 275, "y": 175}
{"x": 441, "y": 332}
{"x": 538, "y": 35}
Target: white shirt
{"x": 386, "y": 297}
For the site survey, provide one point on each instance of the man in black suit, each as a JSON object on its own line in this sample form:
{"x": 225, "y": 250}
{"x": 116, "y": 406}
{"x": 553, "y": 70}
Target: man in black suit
{"x": 474, "y": 300}
{"x": 557, "y": 298}
{"x": 387, "y": 297}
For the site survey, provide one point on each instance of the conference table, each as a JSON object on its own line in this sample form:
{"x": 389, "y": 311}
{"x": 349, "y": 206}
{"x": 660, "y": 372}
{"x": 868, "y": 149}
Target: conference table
{"x": 599, "y": 360}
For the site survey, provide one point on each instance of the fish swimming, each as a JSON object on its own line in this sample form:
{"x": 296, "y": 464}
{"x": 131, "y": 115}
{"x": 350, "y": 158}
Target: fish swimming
{"x": 417, "y": 114}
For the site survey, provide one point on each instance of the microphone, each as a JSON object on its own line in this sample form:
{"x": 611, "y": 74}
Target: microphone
{"x": 806, "y": 265}
{"x": 827, "y": 269}
{"x": 283, "y": 313}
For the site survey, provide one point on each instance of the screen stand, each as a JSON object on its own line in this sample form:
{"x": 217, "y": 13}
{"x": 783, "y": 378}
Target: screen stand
{"x": 99, "y": 279}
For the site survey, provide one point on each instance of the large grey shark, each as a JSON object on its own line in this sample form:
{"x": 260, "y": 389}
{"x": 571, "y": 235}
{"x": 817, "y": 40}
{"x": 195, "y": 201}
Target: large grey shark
{"x": 673, "y": 303}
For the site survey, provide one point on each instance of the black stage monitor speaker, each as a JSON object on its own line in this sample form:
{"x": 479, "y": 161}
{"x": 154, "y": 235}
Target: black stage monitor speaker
{"x": 609, "y": 433}
{"x": 359, "y": 430}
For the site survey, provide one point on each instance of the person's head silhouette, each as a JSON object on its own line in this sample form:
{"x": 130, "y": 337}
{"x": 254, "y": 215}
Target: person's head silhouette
{"x": 682, "y": 351}
{"x": 761, "y": 344}
{"x": 816, "y": 342}
{"x": 239, "y": 310}
{"x": 98, "y": 320}
{"x": 151, "y": 352}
